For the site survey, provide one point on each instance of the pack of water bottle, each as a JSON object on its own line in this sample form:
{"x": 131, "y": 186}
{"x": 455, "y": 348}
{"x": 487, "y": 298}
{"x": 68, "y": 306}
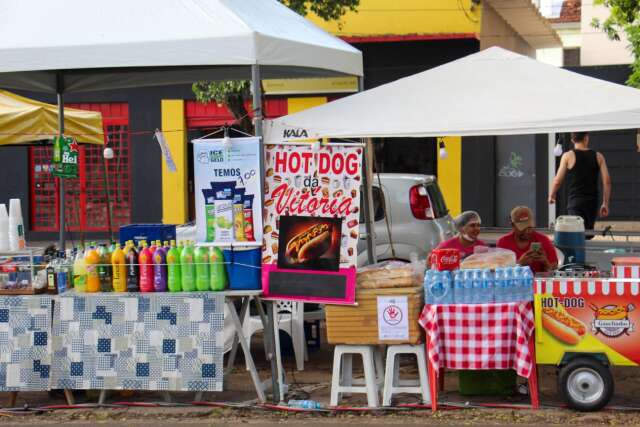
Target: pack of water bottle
{"x": 478, "y": 286}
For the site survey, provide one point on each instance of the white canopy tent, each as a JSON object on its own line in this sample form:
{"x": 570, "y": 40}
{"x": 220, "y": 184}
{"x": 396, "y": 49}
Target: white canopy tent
{"x": 493, "y": 92}
{"x": 81, "y": 45}
{"x": 102, "y": 45}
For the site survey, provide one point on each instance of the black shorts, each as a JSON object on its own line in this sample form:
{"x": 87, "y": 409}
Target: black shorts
{"x": 587, "y": 209}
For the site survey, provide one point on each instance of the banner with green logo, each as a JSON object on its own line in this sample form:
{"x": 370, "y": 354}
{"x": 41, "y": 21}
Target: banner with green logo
{"x": 65, "y": 157}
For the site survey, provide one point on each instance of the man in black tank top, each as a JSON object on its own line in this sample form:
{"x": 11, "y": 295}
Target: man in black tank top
{"x": 581, "y": 166}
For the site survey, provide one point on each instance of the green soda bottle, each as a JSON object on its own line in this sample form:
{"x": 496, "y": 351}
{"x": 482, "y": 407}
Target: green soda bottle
{"x": 202, "y": 268}
{"x": 217, "y": 271}
{"x": 174, "y": 275}
{"x": 188, "y": 268}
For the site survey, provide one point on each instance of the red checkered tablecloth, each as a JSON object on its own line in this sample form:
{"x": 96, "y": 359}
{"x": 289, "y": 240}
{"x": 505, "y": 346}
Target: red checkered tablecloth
{"x": 479, "y": 336}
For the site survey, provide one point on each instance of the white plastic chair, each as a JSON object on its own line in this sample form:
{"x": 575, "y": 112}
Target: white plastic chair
{"x": 290, "y": 318}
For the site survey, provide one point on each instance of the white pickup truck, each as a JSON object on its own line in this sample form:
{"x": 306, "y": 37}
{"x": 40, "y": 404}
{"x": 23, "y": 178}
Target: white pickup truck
{"x": 410, "y": 215}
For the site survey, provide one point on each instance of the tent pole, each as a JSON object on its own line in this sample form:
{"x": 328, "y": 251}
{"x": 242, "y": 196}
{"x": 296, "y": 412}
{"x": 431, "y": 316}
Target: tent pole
{"x": 551, "y": 167}
{"x": 61, "y": 241}
{"x": 367, "y": 194}
{"x": 272, "y": 329}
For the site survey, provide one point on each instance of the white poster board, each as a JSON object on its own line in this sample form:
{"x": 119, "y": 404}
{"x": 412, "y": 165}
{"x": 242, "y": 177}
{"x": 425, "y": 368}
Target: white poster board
{"x": 227, "y": 191}
{"x": 393, "y": 318}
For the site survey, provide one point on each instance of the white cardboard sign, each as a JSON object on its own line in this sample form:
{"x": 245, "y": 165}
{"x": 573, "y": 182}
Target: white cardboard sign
{"x": 393, "y": 323}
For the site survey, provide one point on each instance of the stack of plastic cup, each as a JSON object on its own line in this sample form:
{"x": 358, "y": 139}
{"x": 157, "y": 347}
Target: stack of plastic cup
{"x": 16, "y": 226}
{"x": 4, "y": 228}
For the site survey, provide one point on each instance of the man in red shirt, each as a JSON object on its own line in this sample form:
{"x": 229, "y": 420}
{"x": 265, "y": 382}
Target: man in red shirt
{"x": 532, "y": 248}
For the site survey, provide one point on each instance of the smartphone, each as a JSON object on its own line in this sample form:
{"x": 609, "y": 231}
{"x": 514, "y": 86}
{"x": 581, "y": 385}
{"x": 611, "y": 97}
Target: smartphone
{"x": 535, "y": 246}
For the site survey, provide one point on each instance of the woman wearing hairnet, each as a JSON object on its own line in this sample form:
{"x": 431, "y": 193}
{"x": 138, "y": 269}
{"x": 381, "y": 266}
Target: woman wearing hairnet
{"x": 468, "y": 226}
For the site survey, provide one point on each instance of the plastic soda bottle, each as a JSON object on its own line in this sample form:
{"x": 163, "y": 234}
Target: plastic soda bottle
{"x": 160, "y": 269}
{"x": 488, "y": 285}
{"x": 217, "y": 272}
{"x": 104, "y": 269}
{"x": 92, "y": 259}
{"x": 526, "y": 293}
{"x": 146, "y": 268}
{"x": 133, "y": 269}
{"x": 201, "y": 255}
{"x": 153, "y": 247}
{"x": 447, "y": 287}
{"x": 304, "y": 404}
{"x": 187, "y": 268}
{"x": 80, "y": 272}
{"x": 174, "y": 275}
{"x": 467, "y": 284}
{"x": 119, "y": 269}
{"x": 476, "y": 280}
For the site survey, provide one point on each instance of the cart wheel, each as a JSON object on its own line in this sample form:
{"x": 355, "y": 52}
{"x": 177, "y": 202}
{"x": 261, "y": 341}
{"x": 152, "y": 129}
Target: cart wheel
{"x": 585, "y": 384}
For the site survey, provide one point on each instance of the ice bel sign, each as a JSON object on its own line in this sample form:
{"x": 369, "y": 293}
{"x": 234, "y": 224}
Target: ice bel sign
{"x": 227, "y": 190}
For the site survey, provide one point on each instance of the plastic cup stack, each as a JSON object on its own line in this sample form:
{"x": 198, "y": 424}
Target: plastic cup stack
{"x": 4, "y": 228}
{"x": 16, "y": 226}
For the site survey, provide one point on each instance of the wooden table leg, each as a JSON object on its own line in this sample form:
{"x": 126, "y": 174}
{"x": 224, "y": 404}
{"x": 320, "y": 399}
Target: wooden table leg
{"x": 13, "y": 397}
{"x": 68, "y": 394}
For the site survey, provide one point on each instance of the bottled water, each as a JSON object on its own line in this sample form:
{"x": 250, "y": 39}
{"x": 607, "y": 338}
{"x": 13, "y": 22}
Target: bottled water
{"x": 527, "y": 284}
{"x": 445, "y": 279}
{"x": 476, "y": 280}
{"x": 488, "y": 286}
{"x": 510, "y": 289}
{"x": 458, "y": 287}
{"x": 500, "y": 285}
{"x": 305, "y": 404}
{"x": 437, "y": 287}
{"x": 467, "y": 284}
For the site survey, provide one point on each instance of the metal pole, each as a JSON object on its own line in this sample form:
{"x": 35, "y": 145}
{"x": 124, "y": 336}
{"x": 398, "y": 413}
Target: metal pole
{"x": 551, "y": 168}
{"x": 61, "y": 241}
{"x": 108, "y": 196}
{"x": 367, "y": 194}
{"x": 256, "y": 90}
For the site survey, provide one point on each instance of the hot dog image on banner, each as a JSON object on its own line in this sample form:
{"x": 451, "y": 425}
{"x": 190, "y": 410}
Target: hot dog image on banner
{"x": 227, "y": 190}
{"x": 311, "y": 219}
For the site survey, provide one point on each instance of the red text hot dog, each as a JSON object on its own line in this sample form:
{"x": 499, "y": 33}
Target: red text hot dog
{"x": 563, "y": 326}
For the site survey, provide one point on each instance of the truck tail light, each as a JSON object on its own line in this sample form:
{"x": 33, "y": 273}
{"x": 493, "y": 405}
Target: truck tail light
{"x": 420, "y": 203}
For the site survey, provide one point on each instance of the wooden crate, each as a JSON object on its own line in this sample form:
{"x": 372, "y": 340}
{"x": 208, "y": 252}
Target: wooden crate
{"x": 359, "y": 324}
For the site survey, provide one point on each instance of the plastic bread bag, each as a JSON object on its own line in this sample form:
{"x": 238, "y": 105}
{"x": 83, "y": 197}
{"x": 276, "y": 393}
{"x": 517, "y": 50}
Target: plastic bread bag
{"x": 388, "y": 274}
{"x": 489, "y": 258}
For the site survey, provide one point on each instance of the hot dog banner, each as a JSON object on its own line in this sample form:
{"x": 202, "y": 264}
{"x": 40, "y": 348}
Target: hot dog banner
{"x": 227, "y": 191}
{"x": 311, "y": 217}
{"x": 578, "y": 315}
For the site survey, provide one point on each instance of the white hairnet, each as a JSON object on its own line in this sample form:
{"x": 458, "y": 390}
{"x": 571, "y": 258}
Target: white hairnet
{"x": 465, "y": 218}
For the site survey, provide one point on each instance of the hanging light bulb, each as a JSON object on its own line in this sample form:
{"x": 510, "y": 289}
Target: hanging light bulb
{"x": 108, "y": 153}
{"x": 557, "y": 150}
{"x": 443, "y": 150}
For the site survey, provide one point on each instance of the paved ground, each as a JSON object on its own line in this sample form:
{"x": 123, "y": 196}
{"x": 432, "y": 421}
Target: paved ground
{"x": 314, "y": 383}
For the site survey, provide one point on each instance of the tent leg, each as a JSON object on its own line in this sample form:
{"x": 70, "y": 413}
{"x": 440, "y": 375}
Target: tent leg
{"x": 551, "y": 167}
{"x": 367, "y": 195}
{"x": 61, "y": 241}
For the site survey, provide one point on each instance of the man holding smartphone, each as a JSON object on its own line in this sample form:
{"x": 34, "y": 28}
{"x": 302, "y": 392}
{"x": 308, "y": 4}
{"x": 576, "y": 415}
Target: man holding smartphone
{"x": 531, "y": 248}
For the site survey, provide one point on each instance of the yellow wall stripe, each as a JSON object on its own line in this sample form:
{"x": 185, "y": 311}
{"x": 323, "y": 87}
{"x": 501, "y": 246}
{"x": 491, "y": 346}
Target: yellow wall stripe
{"x": 295, "y": 105}
{"x": 450, "y": 174}
{"x": 174, "y": 184}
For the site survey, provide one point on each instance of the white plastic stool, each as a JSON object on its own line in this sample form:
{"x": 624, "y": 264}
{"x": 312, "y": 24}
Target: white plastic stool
{"x": 392, "y": 382}
{"x": 342, "y": 380}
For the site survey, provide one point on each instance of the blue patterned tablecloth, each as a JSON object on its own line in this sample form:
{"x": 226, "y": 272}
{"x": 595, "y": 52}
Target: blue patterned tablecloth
{"x": 25, "y": 342}
{"x": 138, "y": 341}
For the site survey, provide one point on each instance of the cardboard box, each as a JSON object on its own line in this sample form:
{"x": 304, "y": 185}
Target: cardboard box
{"x": 359, "y": 324}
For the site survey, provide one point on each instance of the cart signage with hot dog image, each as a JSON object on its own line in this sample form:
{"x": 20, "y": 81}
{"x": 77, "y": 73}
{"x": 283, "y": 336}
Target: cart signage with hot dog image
{"x": 575, "y": 316}
{"x": 311, "y": 218}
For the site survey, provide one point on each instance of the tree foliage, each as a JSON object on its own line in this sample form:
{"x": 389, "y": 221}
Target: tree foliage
{"x": 624, "y": 17}
{"x": 233, "y": 94}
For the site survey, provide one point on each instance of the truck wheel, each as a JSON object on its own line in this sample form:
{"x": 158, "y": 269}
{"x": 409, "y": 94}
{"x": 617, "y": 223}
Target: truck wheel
{"x": 585, "y": 384}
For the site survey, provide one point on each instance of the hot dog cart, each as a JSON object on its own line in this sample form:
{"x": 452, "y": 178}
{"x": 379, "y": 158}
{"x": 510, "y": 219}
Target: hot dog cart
{"x": 586, "y": 321}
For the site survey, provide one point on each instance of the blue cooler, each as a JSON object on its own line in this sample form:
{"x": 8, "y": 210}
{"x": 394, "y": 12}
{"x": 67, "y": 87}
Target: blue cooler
{"x": 569, "y": 238}
{"x": 244, "y": 268}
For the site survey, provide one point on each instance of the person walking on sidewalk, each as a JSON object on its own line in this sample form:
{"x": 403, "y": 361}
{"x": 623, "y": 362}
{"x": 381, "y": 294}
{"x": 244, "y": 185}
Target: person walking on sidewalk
{"x": 582, "y": 166}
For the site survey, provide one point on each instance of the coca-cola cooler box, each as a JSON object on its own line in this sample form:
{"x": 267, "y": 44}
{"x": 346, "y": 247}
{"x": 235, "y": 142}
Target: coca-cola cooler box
{"x": 444, "y": 259}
